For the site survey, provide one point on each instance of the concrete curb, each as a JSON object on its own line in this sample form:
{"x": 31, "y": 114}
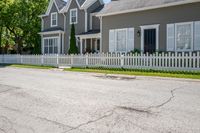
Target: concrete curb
{"x": 119, "y": 76}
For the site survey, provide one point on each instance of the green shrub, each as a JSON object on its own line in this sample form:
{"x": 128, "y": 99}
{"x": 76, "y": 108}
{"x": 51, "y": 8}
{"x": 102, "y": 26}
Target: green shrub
{"x": 73, "y": 48}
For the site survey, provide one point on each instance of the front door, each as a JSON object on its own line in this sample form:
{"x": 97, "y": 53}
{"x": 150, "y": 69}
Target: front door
{"x": 149, "y": 40}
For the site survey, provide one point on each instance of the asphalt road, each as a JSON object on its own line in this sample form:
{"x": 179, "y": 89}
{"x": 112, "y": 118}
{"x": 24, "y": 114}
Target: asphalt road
{"x": 52, "y": 101}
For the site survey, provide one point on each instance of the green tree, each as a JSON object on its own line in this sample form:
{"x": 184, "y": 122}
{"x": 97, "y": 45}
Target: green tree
{"x": 73, "y": 48}
{"x": 21, "y": 19}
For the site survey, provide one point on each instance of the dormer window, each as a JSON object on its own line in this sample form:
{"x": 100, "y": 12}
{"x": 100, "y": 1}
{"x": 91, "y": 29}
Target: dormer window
{"x": 73, "y": 16}
{"x": 54, "y": 19}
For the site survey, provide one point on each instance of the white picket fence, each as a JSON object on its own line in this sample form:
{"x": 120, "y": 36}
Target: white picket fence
{"x": 165, "y": 61}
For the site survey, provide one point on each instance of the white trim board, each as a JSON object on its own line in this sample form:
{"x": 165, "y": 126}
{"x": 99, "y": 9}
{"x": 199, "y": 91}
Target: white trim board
{"x": 86, "y": 7}
{"x": 50, "y": 32}
{"x": 145, "y": 27}
{"x": 97, "y": 35}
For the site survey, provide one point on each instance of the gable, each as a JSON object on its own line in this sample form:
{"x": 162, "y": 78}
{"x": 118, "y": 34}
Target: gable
{"x": 55, "y": 4}
{"x": 66, "y": 8}
{"x": 50, "y": 7}
{"x": 82, "y": 4}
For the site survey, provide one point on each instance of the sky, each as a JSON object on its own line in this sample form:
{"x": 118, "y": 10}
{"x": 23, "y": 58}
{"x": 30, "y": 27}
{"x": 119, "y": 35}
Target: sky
{"x": 106, "y": 1}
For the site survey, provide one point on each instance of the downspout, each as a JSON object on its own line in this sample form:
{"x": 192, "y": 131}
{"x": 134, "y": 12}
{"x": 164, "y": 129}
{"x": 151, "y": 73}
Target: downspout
{"x": 86, "y": 20}
{"x": 42, "y": 41}
{"x": 63, "y": 35}
{"x": 101, "y": 26}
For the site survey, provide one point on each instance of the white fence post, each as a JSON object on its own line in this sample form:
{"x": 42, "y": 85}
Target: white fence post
{"x": 42, "y": 60}
{"x": 57, "y": 60}
{"x": 86, "y": 60}
{"x": 72, "y": 60}
{"x": 122, "y": 60}
{"x": 21, "y": 59}
{"x": 3, "y": 59}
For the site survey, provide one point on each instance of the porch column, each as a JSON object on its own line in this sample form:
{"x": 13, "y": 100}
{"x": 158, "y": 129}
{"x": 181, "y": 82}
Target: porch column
{"x": 63, "y": 43}
{"x": 91, "y": 43}
{"x": 85, "y": 43}
{"x": 59, "y": 44}
{"x": 81, "y": 45}
{"x": 42, "y": 44}
{"x": 95, "y": 44}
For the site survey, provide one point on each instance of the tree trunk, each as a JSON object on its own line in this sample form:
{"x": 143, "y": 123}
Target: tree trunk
{"x": 18, "y": 44}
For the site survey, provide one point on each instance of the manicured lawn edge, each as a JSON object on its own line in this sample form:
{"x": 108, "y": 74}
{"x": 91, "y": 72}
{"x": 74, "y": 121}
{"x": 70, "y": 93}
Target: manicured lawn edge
{"x": 157, "y": 73}
{"x": 27, "y": 66}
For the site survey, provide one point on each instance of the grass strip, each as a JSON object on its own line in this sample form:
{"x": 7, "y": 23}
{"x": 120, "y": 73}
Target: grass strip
{"x": 157, "y": 73}
{"x": 28, "y": 66}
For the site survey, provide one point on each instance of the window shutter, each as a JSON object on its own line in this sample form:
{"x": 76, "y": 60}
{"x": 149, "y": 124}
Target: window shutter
{"x": 170, "y": 37}
{"x": 112, "y": 41}
{"x": 197, "y": 35}
{"x": 130, "y": 40}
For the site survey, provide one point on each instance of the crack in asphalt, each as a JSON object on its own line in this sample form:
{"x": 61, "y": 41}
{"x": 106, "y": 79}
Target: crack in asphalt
{"x": 110, "y": 113}
{"x": 54, "y": 122}
{"x": 168, "y": 100}
{"x": 144, "y": 110}
{"x": 106, "y": 115}
{"x": 40, "y": 118}
{"x": 135, "y": 109}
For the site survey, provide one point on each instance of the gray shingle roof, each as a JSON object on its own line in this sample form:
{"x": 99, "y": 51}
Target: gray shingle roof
{"x": 53, "y": 29}
{"x": 90, "y": 32}
{"x": 98, "y": 9}
{"x": 60, "y": 4}
{"x": 124, "y": 5}
{"x": 81, "y": 2}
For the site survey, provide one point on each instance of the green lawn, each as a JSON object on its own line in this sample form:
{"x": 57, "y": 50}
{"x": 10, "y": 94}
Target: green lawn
{"x": 172, "y": 74}
{"x": 29, "y": 66}
{"x": 188, "y": 75}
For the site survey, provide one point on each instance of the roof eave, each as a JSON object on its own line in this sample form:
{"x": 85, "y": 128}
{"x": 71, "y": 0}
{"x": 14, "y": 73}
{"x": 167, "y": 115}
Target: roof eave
{"x": 147, "y": 8}
{"x": 51, "y": 32}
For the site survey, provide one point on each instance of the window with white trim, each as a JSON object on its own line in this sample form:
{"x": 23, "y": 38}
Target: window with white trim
{"x": 121, "y": 40}
{"x": 54, "y": 17}
{"x": 73, "y": 16}
{"x": 183, "y": 36}
{"x": 51, "y": 45}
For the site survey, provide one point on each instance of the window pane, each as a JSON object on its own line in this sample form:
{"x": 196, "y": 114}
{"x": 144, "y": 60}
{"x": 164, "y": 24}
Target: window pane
{"x": 121, "y": 40}
{"x": 53, "y": 22}
{"x": 45, "y": 46}
{"x": 54, "y": 16}
{"x": 184, "y": 37}
{"x": 55, "y": 46}
{"x": 50, "y": 46}
{"x": 73, "y": 19}
{"x": 73, "y": 13}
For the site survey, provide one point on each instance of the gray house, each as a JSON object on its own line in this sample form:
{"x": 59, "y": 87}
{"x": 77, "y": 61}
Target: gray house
{"x": 56, "y": 25}
{"x": 150, "y": 25}
{"x": 122, "y": 25}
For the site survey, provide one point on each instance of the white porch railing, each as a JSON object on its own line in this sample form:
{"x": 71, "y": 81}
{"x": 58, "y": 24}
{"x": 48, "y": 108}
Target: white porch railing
{"x": 165, "y": 61}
